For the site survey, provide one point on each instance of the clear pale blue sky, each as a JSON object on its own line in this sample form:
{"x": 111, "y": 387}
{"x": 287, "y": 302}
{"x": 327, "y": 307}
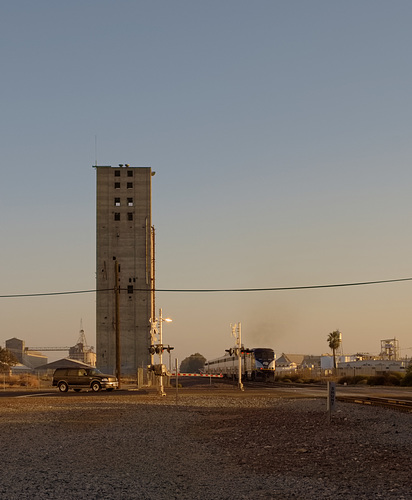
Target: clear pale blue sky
{"x": 280, "y": 133}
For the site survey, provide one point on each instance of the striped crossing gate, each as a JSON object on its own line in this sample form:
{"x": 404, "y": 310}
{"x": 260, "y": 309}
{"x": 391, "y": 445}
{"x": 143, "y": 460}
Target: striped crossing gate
{"x": 206, "y": 375}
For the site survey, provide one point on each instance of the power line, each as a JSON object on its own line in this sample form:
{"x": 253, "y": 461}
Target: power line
{"x": 49, "y": 294}
{"x": 212, "y": 290}
{"x": 274, "y": 289}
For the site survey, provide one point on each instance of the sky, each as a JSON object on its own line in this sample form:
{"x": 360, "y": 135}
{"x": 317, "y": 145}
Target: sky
{"x": 280, "y": 137}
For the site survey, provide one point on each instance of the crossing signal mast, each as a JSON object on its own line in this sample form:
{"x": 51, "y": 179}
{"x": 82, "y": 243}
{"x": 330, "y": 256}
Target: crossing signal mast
{"x": 157, "y": 347}
{"x": 237, "y": 351}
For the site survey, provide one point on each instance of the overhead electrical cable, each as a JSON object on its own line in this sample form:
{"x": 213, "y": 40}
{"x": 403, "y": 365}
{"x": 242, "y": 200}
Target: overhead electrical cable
{"x": 49, "y": 294}
{"x": 213, "y": 290}
{"x": 281, "y": 288}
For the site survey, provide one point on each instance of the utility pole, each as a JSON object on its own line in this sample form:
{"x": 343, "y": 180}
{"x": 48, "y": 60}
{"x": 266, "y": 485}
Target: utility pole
{"x": 117, "y": 320}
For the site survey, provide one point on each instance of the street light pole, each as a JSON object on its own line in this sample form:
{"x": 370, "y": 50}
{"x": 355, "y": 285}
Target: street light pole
{"x": 161, "y": 390}
{"x": 156, "y": 346}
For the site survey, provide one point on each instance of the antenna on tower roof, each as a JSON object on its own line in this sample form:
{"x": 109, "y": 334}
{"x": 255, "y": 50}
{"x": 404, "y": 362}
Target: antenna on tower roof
{"x": 95, "y": 150}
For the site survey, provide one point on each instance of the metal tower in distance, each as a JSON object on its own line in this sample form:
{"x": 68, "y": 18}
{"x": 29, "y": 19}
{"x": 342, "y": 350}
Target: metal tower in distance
{"x": 82, "y": 351}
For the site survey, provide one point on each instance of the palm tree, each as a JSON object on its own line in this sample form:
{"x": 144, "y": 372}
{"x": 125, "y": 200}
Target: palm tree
{"x": 334, "y": 340}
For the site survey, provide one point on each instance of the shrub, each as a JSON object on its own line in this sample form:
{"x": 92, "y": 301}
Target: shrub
{"x": 357, "y": 379}
{"x": 407, "y": 380}
{"x": 385, "y": 379}
{"x": 22, "y": 380}
{"x": 28, "y": 380}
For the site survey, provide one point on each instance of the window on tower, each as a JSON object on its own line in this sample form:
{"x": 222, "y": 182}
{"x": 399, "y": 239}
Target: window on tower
{"x": 130, "y": 185}
{"x": 117, "y": 202}
{"x": 117, "y": 185}
{"x": 117, "y": 216}
{"x": 129, "y": 202}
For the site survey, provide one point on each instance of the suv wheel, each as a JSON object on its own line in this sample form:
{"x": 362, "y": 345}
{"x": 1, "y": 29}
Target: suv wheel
{"x": 95, "y": 386}
{"x": 63, "y": 387}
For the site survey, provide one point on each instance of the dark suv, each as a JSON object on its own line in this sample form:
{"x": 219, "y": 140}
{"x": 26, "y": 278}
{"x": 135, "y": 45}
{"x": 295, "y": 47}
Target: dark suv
{"x": 83, "y": 378}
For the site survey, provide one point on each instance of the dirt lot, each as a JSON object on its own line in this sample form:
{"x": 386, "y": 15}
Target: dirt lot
{"x": 211, "y": 445}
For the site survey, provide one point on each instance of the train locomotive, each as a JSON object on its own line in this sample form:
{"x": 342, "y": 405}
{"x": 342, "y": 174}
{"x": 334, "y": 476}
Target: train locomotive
{"x": 257, "y": 364}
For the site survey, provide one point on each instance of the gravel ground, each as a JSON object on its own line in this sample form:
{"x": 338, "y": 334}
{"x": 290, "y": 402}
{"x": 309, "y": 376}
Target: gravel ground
{"x": 206, "y": 447}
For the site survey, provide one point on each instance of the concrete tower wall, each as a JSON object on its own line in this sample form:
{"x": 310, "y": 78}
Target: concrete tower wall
{"x": 124, "y": 233}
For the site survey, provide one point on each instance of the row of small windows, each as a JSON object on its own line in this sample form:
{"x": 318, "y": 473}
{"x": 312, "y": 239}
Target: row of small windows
{"x": 117, "y": 202}
{"x": 129, "y": 185}
{"x": 129, "y": 173}
{"x": 226, "y": 360}
{"x": 117, "y": 216}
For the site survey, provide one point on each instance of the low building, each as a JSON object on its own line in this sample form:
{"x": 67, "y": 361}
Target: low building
{"x": 291, "y": 363}
{"x": 371, "y": 367}
{"x": 60, "y": 363}
{"x": 326, "y": 361}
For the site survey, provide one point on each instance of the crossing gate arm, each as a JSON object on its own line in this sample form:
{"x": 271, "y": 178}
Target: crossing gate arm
{"x": 205, "y": 375}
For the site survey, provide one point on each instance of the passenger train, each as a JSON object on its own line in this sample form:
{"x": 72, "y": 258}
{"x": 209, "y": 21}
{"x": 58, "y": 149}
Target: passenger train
{"x": 257, "y": 364}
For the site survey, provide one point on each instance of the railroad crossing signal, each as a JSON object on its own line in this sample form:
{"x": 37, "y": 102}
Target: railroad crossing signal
{"x": 159, "y": 348}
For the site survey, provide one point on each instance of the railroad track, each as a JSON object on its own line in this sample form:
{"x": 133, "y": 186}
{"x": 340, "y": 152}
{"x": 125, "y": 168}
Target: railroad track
{"x": 394, "y": 404}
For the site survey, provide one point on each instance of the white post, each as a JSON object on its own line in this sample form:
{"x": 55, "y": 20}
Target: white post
{"x": 239, "y": 343}
{"x": 177, "y": 378}
{"x": 331, "y": 399}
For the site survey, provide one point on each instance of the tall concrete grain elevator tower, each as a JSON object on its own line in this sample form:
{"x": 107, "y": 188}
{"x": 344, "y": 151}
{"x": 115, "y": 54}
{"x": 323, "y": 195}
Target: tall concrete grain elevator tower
{"x": 124, "y": 250}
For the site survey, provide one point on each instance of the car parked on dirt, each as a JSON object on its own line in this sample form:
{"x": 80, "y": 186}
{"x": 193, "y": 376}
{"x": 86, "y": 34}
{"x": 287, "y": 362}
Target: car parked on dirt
{"x": 83, "y": 378}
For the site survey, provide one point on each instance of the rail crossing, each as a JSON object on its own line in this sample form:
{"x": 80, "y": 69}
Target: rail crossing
{"x": 204, "y": 375}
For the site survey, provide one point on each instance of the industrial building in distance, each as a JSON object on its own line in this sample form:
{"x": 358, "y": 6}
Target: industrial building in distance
{"x": 33, "y": 359}
{"x": 124, "y": 267}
